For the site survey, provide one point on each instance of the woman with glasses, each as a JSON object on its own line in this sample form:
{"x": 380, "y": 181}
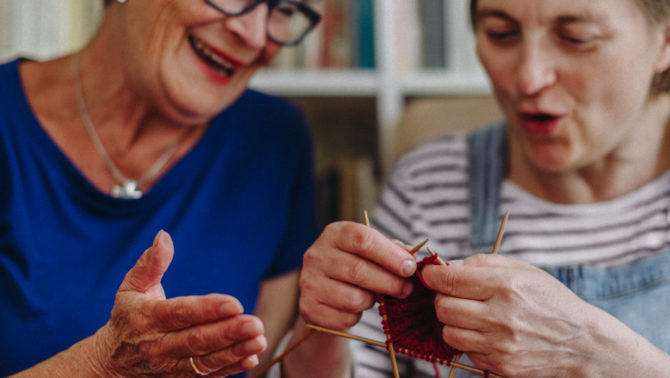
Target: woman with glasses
{"x": 151, "y": 127}
{"x": 582, "y": 161}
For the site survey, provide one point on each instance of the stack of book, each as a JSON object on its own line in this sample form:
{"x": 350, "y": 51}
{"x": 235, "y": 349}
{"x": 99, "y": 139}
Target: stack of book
{"x": 343, "y": 39}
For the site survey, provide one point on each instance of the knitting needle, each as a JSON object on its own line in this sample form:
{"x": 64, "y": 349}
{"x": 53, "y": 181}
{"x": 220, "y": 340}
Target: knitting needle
{"x": 418, "y": 246}
{"x": 439, "y": 260}
{"x": 284, "y": 353}
{"x": 394, "y": 363}
{"x": 500, "y": 234}
{"x": 382, "y": 345}
{"x": 452, "y": 370}
{"x": 346, "y": 335}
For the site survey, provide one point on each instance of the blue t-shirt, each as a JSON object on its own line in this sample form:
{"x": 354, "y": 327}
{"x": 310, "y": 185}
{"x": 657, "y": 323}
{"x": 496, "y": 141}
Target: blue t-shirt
{"x": 239, "y": 207}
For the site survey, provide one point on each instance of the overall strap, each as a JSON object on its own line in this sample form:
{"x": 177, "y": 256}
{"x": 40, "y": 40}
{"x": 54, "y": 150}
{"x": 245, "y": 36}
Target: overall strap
{"x": 487, "y": 149}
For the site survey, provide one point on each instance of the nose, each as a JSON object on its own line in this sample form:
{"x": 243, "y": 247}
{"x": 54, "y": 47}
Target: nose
{"x": 535, "y": 70}
{"x": 251, "y": 27}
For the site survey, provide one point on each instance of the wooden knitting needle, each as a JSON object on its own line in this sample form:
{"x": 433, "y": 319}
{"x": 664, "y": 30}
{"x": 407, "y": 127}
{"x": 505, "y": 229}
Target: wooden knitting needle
{"x": 394, "y": 362}
{"x": 452, "y": 370}
{"x": 284, "y": 353}
{"x": 501, "y": 230}
{"x": 418, "y": 246}
{"x": 439, "y": 260}
{"x": 382, "y": 345}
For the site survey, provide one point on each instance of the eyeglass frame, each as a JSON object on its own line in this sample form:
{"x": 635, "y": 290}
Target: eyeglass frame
{"x": 313, "y": 16}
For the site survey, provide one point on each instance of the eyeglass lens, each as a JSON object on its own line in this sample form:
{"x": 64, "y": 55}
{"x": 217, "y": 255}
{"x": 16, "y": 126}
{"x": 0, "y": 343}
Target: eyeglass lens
{"x": 287, "y": 21}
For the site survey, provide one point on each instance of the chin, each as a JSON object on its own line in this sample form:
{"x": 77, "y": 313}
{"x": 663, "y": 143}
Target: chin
{"x": 550, "y": 159}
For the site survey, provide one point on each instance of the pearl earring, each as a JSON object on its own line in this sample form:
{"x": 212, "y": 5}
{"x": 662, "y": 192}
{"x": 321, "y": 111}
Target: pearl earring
{"x": 121, "y": 1}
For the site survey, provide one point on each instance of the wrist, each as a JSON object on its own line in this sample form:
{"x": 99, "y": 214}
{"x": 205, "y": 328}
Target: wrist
{"x": 612, "y": 349}
{"x": 101, "y": 361}
{"x": 321, "y": 354}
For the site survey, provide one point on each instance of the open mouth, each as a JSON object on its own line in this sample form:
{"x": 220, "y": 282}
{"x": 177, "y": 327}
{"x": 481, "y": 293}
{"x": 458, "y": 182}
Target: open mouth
{"x": 539, "y": 117}
{"x": 540, "y": 123}
{"x": 212, "y": 59}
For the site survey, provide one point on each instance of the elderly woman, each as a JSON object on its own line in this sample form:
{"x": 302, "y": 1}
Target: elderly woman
{"x": 583, "y": 163}
{"x": 150, "y": 127}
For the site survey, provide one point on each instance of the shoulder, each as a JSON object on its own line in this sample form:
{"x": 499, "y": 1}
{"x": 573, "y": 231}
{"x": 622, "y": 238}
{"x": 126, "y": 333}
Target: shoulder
{"x": 273, "y": 116}
{"x": 263, "y": 105}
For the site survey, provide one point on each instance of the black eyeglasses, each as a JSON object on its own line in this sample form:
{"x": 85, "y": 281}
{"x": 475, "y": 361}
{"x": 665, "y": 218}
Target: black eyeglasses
{"x": 288, "y": 21}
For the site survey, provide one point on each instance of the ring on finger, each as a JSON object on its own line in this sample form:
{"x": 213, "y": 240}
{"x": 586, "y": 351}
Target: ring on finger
{"x": 195, "y": 368}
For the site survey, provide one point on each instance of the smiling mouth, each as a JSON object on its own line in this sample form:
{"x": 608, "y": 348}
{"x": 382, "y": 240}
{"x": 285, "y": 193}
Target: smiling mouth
{"x": 213, "y": 60}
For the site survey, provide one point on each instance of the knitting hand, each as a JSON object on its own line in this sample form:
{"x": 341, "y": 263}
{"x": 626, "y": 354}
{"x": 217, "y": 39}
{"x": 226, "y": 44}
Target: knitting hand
{"x": 512, "y": 318}
{"x": 148, "y": 335}
{"x": 344, "y": 267}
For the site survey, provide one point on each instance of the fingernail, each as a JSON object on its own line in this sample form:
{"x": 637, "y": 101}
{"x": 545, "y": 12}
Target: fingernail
{"x": 231, "y": 308}
{"x": 157, "y": 237}
{"x": 408, "y": 267}
{"x": 256, "y": 345}
{"x": 251, "y": 328}
{"x": 249, "y": 362}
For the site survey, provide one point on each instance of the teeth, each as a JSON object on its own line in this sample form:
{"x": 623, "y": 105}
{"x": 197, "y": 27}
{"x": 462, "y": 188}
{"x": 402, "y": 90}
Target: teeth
{"x": 220, "y": 65}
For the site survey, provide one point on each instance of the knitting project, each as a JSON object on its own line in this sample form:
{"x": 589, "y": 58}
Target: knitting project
{"x": 411, "y": 324}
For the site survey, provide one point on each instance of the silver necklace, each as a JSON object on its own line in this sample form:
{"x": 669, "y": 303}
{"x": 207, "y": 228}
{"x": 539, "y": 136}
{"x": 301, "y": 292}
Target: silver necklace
{"x": 126, "y": 188}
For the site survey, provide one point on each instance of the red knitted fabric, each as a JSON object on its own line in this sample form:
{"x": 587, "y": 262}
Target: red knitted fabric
{"x": 412, "y": 325}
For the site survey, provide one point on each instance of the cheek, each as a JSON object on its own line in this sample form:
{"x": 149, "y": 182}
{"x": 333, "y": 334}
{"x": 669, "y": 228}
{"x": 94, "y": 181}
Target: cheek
{"x": 499, "y": 67}
{"x": 270, "y": 52}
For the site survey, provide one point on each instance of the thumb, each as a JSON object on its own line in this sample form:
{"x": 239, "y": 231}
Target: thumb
{"x": 149, "y": 269}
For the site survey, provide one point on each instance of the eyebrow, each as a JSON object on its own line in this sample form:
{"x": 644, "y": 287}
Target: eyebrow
{"x": 565, "y": 19}
{"x": 487, "y": 13}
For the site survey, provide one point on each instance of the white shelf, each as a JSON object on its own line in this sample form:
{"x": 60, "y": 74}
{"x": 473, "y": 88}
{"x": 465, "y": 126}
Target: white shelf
{"x": 443, "y": 83}
{"x": 322, "y": 83}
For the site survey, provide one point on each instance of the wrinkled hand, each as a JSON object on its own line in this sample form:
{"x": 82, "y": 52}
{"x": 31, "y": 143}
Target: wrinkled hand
{"x": 510, "y": 317}
{"x": 343, "y": 269}
{"x": 148, "y": 335}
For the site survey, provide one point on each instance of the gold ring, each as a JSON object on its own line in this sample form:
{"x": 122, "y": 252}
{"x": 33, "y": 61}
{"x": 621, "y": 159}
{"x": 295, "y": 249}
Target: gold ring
{"x": 190, "y": 359}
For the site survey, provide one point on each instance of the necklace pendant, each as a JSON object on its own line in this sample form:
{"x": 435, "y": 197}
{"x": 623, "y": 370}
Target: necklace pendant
{"x": 126, "y": 190}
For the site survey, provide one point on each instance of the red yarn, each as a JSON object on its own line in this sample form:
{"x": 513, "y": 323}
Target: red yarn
{"x": 411, "y": 323}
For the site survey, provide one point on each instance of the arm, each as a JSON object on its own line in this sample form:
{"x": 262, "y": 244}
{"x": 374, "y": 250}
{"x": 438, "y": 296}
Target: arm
{"x": 277, "y": 308}
{"x": 151, "y": 335}
{"x": 341, "y": 271}
{"x": 517, "y": 320}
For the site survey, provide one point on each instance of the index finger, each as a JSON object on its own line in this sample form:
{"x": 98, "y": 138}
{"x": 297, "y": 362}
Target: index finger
{"x": 460, "y": 281}
{"x": 372, "y": 245}
{"x": 184, "y": 312}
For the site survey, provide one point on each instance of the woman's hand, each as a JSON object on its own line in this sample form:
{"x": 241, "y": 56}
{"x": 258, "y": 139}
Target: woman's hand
{"x": 514, "y": 319}
{"x": 149, "y": 335}
{"x": 343, "y": 269}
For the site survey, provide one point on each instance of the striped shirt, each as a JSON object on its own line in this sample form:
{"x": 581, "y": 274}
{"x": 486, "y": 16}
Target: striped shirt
{"x": 427, "y": 196}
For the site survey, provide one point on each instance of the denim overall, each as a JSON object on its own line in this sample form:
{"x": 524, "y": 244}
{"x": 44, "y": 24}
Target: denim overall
{"x": 638, "y": 294}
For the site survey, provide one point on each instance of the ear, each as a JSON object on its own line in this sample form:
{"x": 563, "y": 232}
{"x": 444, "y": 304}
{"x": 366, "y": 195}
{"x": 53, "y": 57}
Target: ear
{"x": 663, "y": 57}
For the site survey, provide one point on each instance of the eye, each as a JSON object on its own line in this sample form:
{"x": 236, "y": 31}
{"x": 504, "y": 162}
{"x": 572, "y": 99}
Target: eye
{"x": 285, "y": 9}
{"x": 579, "y": 35}
{"x": 502, "y": 36}
{"x": 575, "y": 40}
